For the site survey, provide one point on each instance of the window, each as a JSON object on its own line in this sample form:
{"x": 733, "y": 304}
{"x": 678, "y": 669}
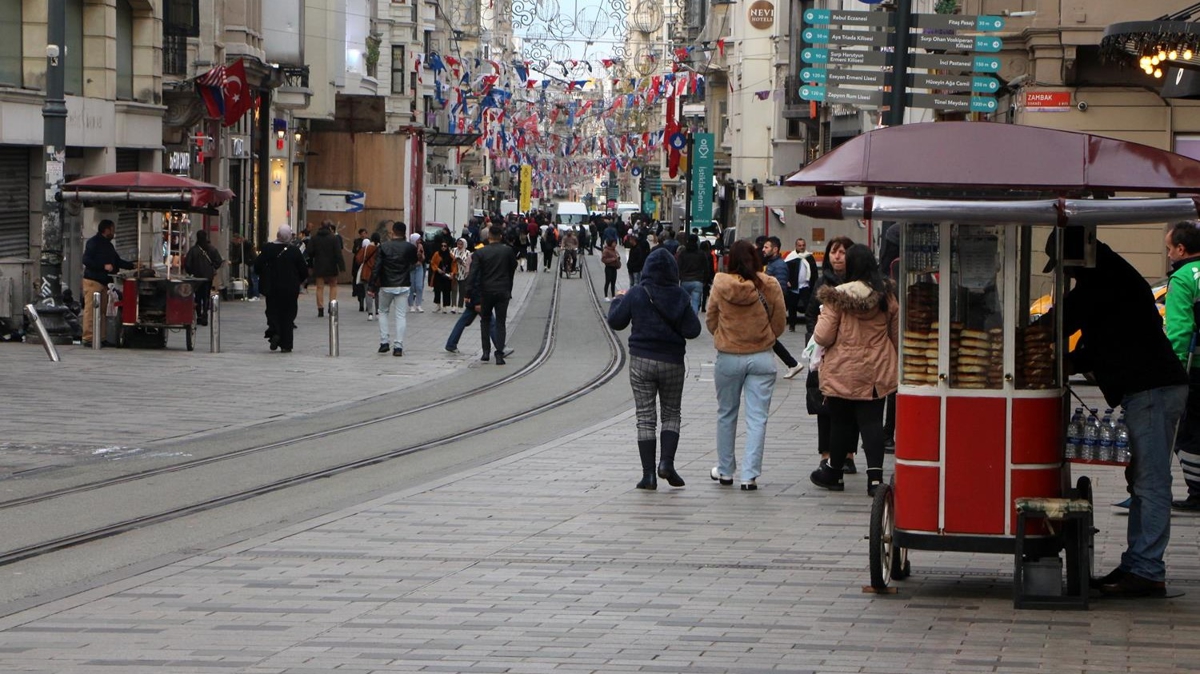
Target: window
{"x": 180, "y": 21}
{"x": 73, "y": 58}
{"x": 124, "y": 50}
{"x": 795, "y": 130}
{"x": 399, "y": 64}
{"x": 10, "y": 42}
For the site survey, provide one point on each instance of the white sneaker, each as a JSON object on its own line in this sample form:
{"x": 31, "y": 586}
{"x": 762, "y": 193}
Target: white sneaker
{"x": 420, "y": 310}
{"x": 370, "y": 317}
{"x": 454, "y": 311}
{"x": 412, "y": 310}
{"x": 437, "y": 308}
{"x": 793, "y": 371}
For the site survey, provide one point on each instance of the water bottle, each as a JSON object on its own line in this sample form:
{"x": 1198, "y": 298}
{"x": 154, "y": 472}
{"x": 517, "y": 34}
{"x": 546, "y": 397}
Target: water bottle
{"x": 1075, "y": 434}
{"x": 1091, "y": 437}
{"x": 1105, "y": 451}
{"x": 1121, "y": 441}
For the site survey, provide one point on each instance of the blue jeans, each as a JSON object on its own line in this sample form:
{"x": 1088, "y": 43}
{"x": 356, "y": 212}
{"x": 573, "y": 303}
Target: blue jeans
{"x": 417, "y": 286}
{"x": 391, "y": 312}
{"x": 464, "y": 321}
{"x": 1152, "y": 417}
{"x": 753, "y": 373}
{"x": 696, "y": 290}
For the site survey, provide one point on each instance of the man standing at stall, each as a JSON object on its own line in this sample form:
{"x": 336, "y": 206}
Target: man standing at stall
{"x": 100, "y": 259}
{"x": 1183, "y": 294}
{"x": 281, "y": 270}
{"x": 1135, "y": 367}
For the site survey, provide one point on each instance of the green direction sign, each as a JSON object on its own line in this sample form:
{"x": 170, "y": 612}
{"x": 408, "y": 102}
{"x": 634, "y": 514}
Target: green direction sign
{"x": 959, "y": 22}
{"x": 980, "y": 43}
{"x": 703, "y": 148}
{"x": 950, "y": 102}
{"x": 978, "y": 85}
{"x": 860, "y": 97}
{"x": 846, "y": 37}
{"x": 821, "y": 17}
{"x": 866, "y": 78}
{"x": 960, "y": 63}
{"x": 844, "y": 57}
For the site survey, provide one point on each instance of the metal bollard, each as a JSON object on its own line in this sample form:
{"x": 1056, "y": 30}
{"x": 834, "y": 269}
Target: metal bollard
{"x": 334, "y": 346}
{"x": 41, "y": 328}
{"x": 214, "y": 323}
{"x": 97, "y": 326}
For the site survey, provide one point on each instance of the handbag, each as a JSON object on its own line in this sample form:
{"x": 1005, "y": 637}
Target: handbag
{"x": 814, "y": 400}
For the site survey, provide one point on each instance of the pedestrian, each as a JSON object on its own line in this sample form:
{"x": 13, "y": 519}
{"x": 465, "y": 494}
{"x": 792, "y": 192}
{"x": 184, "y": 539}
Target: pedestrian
{"x": 611, "y": 259}
{"x": 663, "y": 320}
{"x": 1183, "y": 295}
{"x": 492, "y": 271}
{"x": 1135, "y": 367}
{"x": 241, "y": 263}
{"x": 358, "y": 289}
{"x": 368, "y": 251}
{"x": 711, "y": 256}
{"x": 694, "y": 270}
{"x": 777, "y": 269}
{"x": 468, "y": 317}
{"x": 801, "y": 276}
{"x": 203, "y": 261}
{"x": 833, "y": 270}
{"x": 391, "y": 279}
{"x": 637, "y": 259}
{"x": 100, "y": 259}
{"x": 281, "y": 269}
{"x": 327, "y": 263}
{"x": 416, "y": 284}
{"x": 462, "y": 267}
{"x": 858, "y": 328}
{"x": 442, "y": 269}
{"x": 549, "y": 243}
{"x": 746, "y": 314}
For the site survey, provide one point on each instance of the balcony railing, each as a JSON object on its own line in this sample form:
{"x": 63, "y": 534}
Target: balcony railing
{"x": 175, "y": 53}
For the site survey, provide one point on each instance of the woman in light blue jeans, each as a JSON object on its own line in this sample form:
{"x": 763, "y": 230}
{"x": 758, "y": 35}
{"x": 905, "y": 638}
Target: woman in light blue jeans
{"x": 746, "y": 314}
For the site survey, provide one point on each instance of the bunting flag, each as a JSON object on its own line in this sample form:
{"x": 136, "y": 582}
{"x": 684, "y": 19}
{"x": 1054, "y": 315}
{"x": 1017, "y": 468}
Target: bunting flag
{"x": 721, "y": 46}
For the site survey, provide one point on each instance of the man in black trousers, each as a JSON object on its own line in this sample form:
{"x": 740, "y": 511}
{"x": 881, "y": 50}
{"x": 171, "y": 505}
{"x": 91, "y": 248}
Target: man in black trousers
{"x": 281, "y": 269}
{"x": 491, "y": 281}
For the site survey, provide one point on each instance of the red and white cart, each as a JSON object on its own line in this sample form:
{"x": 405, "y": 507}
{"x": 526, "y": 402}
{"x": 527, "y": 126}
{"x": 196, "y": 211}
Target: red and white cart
{"x": 981, "y": 408}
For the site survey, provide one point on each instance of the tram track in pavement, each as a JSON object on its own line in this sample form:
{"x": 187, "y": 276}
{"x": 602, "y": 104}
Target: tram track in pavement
{"x": 616, "y": 361}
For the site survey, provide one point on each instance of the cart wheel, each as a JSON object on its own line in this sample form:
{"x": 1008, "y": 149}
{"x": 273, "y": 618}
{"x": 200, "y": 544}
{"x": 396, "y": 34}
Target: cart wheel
{"x": 885, "y": 557}
{"x": 190, "y": 337}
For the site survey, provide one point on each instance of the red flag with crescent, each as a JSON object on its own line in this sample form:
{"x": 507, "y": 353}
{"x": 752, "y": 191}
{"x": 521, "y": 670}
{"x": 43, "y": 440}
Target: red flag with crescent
{"x": 238, "y": 96}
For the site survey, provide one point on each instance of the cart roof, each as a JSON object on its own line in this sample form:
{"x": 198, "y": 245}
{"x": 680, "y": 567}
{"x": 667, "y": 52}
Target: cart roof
{"x": 985, "y": 156}
{"x": 137, "y": 188}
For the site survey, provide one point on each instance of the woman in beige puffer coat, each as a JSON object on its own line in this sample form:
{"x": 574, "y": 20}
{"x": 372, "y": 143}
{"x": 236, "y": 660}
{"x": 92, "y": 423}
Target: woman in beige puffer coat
{"x": 858, "y": 329}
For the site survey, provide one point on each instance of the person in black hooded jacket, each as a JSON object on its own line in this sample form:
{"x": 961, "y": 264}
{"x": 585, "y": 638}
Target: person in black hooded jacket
{"x": 663, "y": 320}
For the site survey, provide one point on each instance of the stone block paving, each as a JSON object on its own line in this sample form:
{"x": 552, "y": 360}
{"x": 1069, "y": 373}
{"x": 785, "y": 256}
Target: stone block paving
{"x": 551, "y": 561}
{"x": 111, "y": 404}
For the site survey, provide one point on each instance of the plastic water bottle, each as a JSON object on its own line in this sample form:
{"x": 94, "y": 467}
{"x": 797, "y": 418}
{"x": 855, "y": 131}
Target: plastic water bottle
{"x": 1091, "y": 437}
{"x": 1121, "y": 441}
{"x": 1107, "y": 431}
{"x": 1075, "y": 434}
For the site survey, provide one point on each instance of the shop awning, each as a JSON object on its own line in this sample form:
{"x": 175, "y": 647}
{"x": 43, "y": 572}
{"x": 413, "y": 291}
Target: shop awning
{"x": 435, "y": 139}
{"x": 146, "y": 189}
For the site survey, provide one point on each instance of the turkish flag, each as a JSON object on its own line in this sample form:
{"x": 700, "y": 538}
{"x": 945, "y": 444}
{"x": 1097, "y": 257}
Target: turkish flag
{"x": 237, "y": 94}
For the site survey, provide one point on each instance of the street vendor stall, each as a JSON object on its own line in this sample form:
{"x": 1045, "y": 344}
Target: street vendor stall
{"x": 983, "y": 398}
{"x": 157, "y": 297}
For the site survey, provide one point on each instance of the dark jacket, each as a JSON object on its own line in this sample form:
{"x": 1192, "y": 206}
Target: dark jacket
{"x": 777, "y": 268}
{"x": 658, "y": 333}
{"x": 693, "y": 265}
{"x": 98, "y": 252}
{"x": 637, "y": 257}
{"x": 281, "y": 269}
{"x": 202, "y": 261}
{"x": 241, "y": 253}
{"x": 326, "y": 254}
{"x": 1127, "y": 354}
{"x": 394, "y": 263}
{"x": 492, "y": 271}
{"x": 826, "y": 277}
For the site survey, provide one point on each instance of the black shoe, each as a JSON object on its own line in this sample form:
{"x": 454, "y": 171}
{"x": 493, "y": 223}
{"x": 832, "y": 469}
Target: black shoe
{"x": 202, "y": 321}
{"x": 86, "y": 344}
{"x": 752, "y": 485}
{"x": 1133, "y": 585}
{"x": 383, "y": 348}
{"x": 1110, "y": 579}
{"x": 499, "y": 358}
{"x": 874, "y": 479}
{"x": 485, "y": 357}
{"x": 1188, "y": 504}
{"x": 723, "y": 479}
{"x": 889, "y": 446}
{"x": 273, "y": 344}
{"x": 827, "y": 477}
{"x": 871, "y": 487}
{"x": 397, "y": 352}
{"x": 849, "y": 468}
{"x": 648, "y": 481}
{"x": 667, "y": 472}
{"x": 285, "y": 350}
{"x": 320, "y": 313}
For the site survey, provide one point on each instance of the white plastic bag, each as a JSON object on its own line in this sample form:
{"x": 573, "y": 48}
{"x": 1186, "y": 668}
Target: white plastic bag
{"x": 812, "y": 354}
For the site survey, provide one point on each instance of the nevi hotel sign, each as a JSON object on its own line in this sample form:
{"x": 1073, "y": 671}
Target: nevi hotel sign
{"x": 762, "y": 15}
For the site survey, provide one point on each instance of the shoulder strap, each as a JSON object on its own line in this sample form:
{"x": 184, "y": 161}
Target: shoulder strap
{"x": 663, "y": 316}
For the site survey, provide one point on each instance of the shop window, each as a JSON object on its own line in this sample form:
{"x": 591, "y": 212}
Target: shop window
{"x": 73, "y": 58}
{"x": 124, "y": 50}
{"x": 399, "y": 64}
{"x": 10, "y": 42}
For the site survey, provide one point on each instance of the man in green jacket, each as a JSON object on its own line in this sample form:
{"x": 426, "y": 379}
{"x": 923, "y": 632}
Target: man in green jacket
{"x": 1183, "y": 294}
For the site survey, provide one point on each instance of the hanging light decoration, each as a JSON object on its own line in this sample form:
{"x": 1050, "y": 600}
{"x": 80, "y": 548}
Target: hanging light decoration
{"x": 1172, "y": 40}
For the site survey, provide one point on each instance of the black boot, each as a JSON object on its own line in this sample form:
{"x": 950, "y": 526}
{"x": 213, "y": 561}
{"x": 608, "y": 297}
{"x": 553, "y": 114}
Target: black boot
{"x": 874, "y": 479}
{"x": 827, "y": 477}
{"x": 666, "y": 464}
{"x": 646, "y": 449}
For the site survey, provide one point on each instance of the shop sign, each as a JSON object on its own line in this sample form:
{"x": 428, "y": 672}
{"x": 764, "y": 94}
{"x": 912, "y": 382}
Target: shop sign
{"x": 762, "y": 15}
{"x": 1048, "y": 101}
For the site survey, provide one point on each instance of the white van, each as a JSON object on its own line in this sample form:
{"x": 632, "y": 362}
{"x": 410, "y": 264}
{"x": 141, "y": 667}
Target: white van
{"x": 508, "y": 206}
{"x": 573, "y": 213}
{"x": 627, "y": 208}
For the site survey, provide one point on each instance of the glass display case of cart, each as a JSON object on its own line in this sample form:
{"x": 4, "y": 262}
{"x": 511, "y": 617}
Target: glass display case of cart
{"x": 919, "y": 324}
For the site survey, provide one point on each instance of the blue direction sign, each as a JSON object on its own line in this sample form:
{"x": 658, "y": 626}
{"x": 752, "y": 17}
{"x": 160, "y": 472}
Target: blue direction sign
{"x": 951, "y": 102}
{"x": 959, "y": 22}
{"x": 818, "y": 55}
{"x": 823, "y": 17}
{"x": 978, "y": 85}
{"x": 846, "y": 37}
{"x": 865, "y": 78}
{"x": 958, "y": 63}
{"x": 859, "y": 97}
{"x": 980, "y": 43}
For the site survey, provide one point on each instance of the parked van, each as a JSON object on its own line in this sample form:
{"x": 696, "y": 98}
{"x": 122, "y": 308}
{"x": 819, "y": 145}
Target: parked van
{"x": 626, "y": 209}
{"x": 570, "y": 213}
{"x": 508, "y": 206}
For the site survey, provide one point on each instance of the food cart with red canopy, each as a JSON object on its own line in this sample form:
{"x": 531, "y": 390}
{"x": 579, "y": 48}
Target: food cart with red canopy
{"x": 982, "y": 402}
{"x": 155, "y": 298}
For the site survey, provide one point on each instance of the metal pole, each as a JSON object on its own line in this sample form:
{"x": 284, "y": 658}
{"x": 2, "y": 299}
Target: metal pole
{"x": 334, "y": 345}
{"x": 898, "y": 98}
{"x": 687, "y": 203}
{"x": 214, "y": 323}
{"x": 51, "y": 351}
{"x": 97, "y": 330}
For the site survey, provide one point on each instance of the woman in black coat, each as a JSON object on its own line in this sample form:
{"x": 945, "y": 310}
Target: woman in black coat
{"x": 833, "y": 270}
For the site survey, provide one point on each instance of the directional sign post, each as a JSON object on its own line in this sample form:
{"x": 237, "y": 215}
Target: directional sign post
{"x": 704, "y": 148}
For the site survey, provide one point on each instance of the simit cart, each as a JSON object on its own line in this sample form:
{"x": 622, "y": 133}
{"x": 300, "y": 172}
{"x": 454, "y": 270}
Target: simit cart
{"x": 982, "y": 400}
{"x": 157, "y": 298}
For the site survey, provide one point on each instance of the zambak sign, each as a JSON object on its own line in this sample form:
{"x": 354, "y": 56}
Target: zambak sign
{"x": 704, "y": 148}
{"x": 1047, "y": 101}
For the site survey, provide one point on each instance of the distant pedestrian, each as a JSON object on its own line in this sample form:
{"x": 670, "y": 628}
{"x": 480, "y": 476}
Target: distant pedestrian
{"x": 462, "y": 267}
{"x": 356, "y": 254}
{"x": 549, "y": 243}
{"x": 746, "y": 314}
{"x": 203, "y": 261}
{"x": 637, "y": 258}
{"x": 416, "y": 284}
{"x": 368, "y": 251}
{"x": 776, "y": 268}
{"x": 611, "y": 259}
{"x": 663, "y": 320}
{"x": 281, "y": 270}
{"x": 100, "y": 260}
{"x": 327, "y": 263}
{"x": 441, "y": 276}
{"x": 694, "y": 270}
{"x": 391, "y": 281}
{"x": 241, "y": 263}
{"x": 492, "y": 270}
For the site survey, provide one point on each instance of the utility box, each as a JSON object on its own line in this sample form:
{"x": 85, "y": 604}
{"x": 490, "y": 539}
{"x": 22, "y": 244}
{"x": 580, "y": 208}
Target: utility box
{"x": 450, "y": 204}
{"x": 16, "y": 287}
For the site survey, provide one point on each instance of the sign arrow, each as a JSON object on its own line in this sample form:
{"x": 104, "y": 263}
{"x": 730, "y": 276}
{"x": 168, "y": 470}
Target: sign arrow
{"x": 959, "y": 22}
{"x": 845, "y": 57}
{"x": 951, "y": 102}
{"x": 821, "y": 17}
{"x": 979, "y": 85}
{"x": 866, "y": 78}
{"x": 960, "y": 63}
{"x": 846, "y": 37}
{"x": 860, "y": 97}
{"x": 980, "y": 43}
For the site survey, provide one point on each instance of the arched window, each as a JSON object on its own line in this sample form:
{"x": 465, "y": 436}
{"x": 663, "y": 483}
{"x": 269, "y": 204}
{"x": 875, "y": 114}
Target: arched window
{"x": 10, "y": 42}
{"x": 73, "y": 63}
{"x": 124, "y": 50}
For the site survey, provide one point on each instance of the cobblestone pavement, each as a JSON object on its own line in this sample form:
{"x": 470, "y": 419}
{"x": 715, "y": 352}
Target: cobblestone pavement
{"x": 551, "y": 561}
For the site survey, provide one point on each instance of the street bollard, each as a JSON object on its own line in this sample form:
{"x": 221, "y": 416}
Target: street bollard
{"x": 334, "y": 346}
{"x": 97, "y": 326}
{"x": 214, "y": 323}
{"x": 41, "y": 328}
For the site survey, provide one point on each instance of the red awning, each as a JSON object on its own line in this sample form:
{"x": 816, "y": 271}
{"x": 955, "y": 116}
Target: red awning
{"x": 993, "y": 156}
{"x": 144, "y": 187}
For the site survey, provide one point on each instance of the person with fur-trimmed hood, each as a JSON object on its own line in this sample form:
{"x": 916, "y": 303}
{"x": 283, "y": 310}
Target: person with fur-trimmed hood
{"x": 858, "y": 328}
